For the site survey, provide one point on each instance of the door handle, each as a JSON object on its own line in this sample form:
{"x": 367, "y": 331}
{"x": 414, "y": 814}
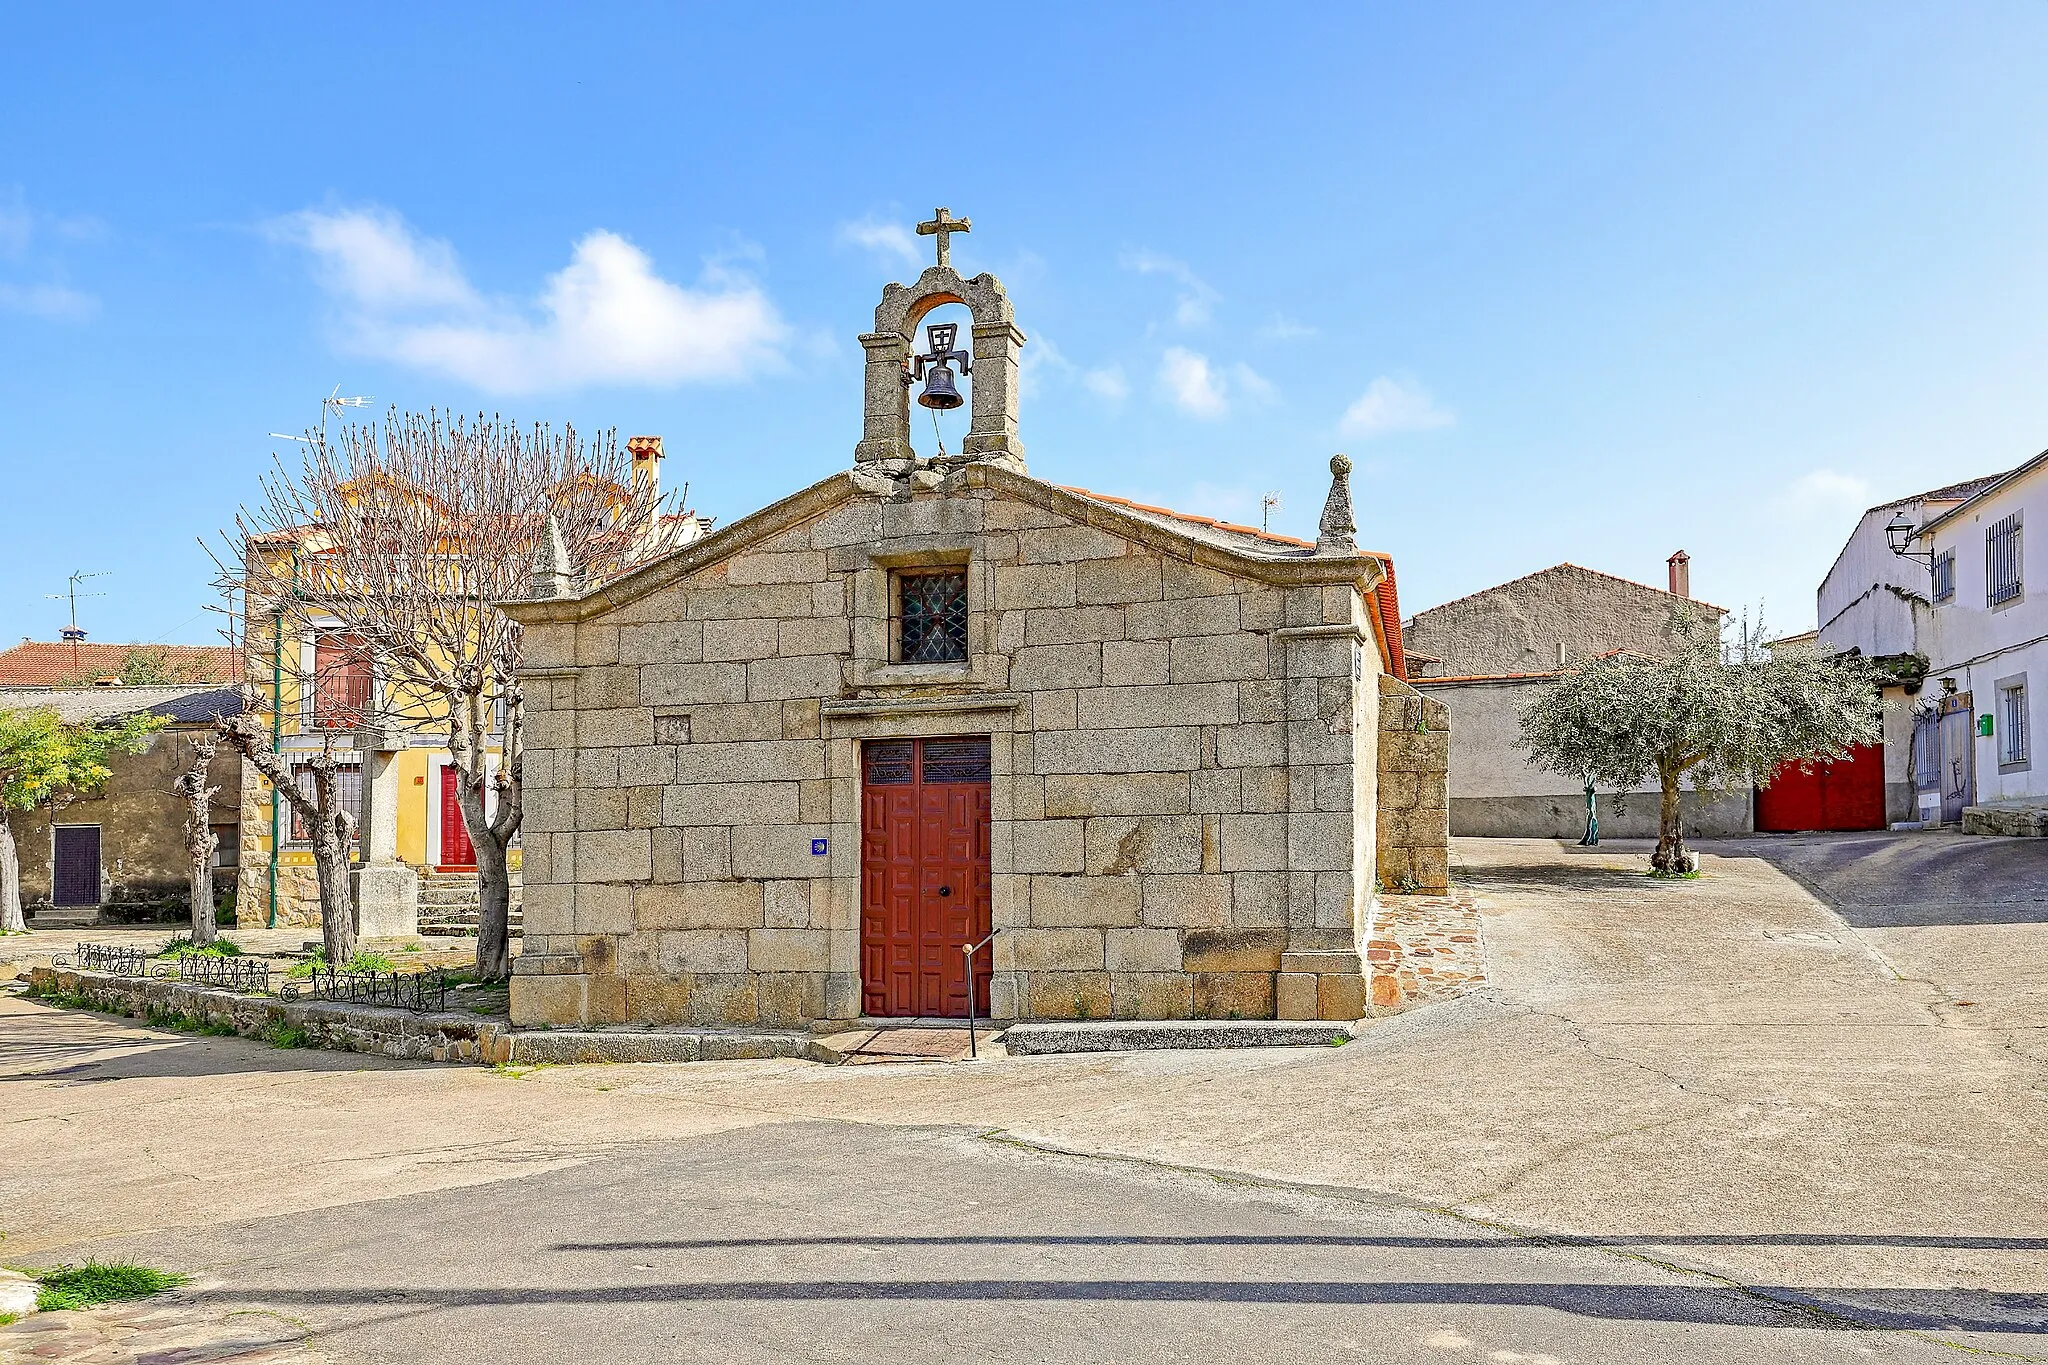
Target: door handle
{"x": 945, "y": 891}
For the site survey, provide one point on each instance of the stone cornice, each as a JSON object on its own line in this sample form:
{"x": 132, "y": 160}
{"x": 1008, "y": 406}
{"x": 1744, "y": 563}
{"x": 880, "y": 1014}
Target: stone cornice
{"x": 1358, "y": 569}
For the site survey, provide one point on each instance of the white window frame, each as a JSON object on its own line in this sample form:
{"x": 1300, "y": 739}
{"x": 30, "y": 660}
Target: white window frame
{"x": 2013, "y": 725}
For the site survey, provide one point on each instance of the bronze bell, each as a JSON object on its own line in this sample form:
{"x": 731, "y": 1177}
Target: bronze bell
{"x": 939, "y": 390}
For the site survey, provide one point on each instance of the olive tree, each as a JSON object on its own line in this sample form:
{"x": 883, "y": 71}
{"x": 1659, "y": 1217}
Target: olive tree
{"x": 1716, "y": 714}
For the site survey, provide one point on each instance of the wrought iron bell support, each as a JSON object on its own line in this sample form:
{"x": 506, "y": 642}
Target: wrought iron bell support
{"x": 935, "y": 368}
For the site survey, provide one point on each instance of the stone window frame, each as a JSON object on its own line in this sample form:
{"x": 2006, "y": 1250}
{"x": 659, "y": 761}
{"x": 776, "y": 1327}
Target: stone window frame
{"x": 2010, "y": 761}
{"x": 875, "y": 612}
{"x": 896, "y": 612}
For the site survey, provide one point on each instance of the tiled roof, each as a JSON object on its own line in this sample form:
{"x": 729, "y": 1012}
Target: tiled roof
{"x": 187, "y": 705}
{"x": 1955, "y": 492}
{"x": 1386, "y": 598}
{"x": 1575, "y": 568}
{"x": 38, "y": 663}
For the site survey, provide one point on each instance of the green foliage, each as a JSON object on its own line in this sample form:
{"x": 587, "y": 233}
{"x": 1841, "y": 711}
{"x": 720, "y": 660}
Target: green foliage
{"x": 8, "y": 1319}
{"x": 43, "y": 758}
{"x": 361, "y": 962}
{"x": 149, "y": 666}
{"x": 185, "y": 947}
{"x": 281, "y": 1034}
{"x": 180, "y": 1022}
{"x": 98, "y": 1282}
{"x": 1718, "y": 716}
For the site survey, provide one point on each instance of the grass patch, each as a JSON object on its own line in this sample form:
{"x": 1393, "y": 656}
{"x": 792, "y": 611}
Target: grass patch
{"x": 180, "y": 1022}
{"x": 1674, "y": 876}
{"x": 286, "y": 1036}
{"x": 185, "y": 947}
{"x": 515, "y": 1070}
{"x": 361, "y": 962}
{"x": 98, "y": 1282}
{"x": 8, "y": 1319}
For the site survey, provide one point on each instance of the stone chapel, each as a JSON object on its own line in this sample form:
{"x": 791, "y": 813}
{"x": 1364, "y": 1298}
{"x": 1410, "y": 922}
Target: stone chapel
{"x": 1145, "y": 764}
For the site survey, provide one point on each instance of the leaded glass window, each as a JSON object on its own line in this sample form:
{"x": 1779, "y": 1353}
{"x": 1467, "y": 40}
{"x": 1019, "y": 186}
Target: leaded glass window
{"x": 933, "y": 625}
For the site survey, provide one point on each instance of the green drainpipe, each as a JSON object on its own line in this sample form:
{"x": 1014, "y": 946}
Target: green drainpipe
{"x": 276, "y": 746}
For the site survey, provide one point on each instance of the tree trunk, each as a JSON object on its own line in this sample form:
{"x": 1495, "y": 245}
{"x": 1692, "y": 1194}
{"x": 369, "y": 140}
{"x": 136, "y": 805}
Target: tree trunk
{"x": 494, "y": 918}
{"x": 337, "y": 907}
{"x": 204, "y": 927}
{"x": 200, "y": 841}
{"x": 11, "y": 919}
{"x": 1670, "y": 854}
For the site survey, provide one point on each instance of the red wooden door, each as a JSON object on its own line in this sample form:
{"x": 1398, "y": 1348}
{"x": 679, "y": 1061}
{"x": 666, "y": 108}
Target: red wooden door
{"x": 456, "y": 850}
{"x": 924, "y": 862}
{"x": 1843, "y": 795}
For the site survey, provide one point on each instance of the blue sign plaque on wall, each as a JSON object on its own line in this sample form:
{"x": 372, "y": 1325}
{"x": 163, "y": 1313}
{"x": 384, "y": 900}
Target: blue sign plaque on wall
{"x": 817, "y": 848}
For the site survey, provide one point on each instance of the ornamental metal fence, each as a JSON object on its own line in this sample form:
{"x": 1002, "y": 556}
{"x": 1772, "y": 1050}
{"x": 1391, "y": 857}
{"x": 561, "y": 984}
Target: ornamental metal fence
{"x": 419, "y": 992}
{"x": 231, "y": 973}
{"x": 110, "y": 958}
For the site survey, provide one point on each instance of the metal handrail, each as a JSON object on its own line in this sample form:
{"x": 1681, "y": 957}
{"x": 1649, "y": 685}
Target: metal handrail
{"x": 970, "y": 950}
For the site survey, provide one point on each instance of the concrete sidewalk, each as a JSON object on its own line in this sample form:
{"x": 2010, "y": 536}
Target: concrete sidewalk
{"x": 1715, "y": 1076}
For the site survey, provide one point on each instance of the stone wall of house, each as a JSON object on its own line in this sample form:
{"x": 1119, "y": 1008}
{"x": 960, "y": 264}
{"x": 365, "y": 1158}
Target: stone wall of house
{"x": 142, "y": 827}
{"x": 1182, "y": 793}
{"x": 1414, "y": 797}
{"x": 1534, "y": 624}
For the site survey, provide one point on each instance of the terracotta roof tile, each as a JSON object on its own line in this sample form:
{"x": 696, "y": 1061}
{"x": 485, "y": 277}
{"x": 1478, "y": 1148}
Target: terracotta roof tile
{"x": 40, "y": 663}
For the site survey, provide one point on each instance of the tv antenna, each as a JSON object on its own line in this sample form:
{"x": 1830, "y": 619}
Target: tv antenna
{"x": 1266, "y": 506}
{"x": 332, "y": 405}
{"x": 73, "y": 636}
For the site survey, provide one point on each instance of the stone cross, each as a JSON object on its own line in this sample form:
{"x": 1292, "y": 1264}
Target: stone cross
{"x": 944, "y": 225}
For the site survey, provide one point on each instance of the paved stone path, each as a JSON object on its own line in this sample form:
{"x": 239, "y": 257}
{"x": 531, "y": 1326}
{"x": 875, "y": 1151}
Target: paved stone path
{"x": 1680, "y": 1119}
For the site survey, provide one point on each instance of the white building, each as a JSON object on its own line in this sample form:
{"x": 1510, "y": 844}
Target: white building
{"x": 1874, "y": 602}
{"x": 1985, "y": 635}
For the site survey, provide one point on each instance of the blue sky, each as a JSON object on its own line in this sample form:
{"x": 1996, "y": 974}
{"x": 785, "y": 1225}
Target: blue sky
{"x": 1587, "y": 283}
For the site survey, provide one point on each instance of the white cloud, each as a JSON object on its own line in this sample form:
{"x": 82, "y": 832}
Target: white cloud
{"x": 605, "y": 318}
{"x": 1107, "y": 382}
{"x": 51, "y": 301}
{"x": 1197, "y": 300}
{"x": 1393, "y": 405}
{"x": 883, "y": 238}
{"x": 1821, "y": 493}
{"x": 1254, "y": 386}
{"x": 1192, "y": 383}
{"x": 1284, "y": 328}
{"x": 17, "y": 228}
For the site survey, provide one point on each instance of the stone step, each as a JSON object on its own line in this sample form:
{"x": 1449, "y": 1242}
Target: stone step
{"x": 71, "y": 917}
{"x": 1132, "y": 1035}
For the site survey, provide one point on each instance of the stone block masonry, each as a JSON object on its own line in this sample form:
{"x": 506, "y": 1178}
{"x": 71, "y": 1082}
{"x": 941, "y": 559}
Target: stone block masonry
{"x": 1183, "y": 763}
{"x": 1414, "y": 791}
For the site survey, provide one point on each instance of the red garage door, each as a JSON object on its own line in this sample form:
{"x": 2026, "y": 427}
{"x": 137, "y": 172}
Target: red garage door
{"x": 1845, "y": 794}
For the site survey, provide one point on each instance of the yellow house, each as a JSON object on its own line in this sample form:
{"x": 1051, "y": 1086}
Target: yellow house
{"x": 319, "y": 693}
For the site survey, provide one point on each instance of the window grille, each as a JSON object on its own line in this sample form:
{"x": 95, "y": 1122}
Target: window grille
{"x": 1926, "y": 753}
{"x": 2013, "y": 704}
{"x": 348, "y": 795}
{"x": 889, "y": 761}
{"x": 932, "y": 627}
{"x": 2002, "y": 561}
{"x": 1945, "y": 575}
{"x": 956, "y": 760}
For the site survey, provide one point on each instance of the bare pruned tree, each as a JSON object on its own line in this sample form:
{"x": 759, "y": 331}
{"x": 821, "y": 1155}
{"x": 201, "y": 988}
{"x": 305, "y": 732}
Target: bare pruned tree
{"x": 396, "y": 544}
{"x": 200, "y": 840}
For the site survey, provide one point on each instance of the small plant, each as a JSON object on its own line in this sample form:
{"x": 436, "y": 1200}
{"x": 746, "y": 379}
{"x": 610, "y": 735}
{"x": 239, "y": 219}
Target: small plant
{"x": 412, "y": 947}
{"x": 185, "y": 947}
{"x": 8, "y": 1319}
{"x": 1682, "y": 875}
{"x": 1081, "y": 1009}
{"x": 180, "y": 1022}
{"x": 1339, "y": 1039}
{"x": 281, "y": 1034}
{"x": 96, "y": 1282}
{"x": 361, "y": 962}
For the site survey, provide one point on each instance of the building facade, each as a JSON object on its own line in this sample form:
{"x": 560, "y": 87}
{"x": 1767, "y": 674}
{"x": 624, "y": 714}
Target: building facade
{"x": 792, "y": 772}
{"x": 119, "y": 853}
{"x": 1488, "y": 655}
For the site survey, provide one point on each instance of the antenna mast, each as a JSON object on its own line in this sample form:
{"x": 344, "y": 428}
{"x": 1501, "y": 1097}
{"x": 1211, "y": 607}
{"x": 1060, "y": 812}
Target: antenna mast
{"x": 72, "y": 634}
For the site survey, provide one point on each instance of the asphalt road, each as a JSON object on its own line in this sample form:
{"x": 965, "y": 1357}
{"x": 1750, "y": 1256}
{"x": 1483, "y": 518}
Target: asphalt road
{"x": 822, "y": 1241}
{"x": 1885, "y": 880}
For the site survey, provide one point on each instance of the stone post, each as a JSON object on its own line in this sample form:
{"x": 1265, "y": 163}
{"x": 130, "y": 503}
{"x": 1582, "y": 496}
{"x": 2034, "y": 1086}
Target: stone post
{"x": 885, "y": 420}
{"x": 386, "y": 891}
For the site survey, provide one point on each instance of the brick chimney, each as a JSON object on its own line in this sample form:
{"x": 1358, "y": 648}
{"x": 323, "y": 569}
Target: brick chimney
{"x": 646, "y": 453}
{"x": 1680, "y": 565}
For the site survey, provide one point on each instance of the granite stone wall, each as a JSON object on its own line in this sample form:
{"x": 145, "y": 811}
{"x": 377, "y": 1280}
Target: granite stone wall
{"x": 1184, "y": 768}
{"x": 1414, "y": 799}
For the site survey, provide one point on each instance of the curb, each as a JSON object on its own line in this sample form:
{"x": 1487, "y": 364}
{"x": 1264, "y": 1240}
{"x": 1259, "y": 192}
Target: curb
{"x": 1025, "y": 1040}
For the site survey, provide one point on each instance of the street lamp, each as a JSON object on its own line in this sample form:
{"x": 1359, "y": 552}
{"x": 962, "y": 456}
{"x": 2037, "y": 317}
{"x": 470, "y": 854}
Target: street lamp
{"x": 1899, "y": 535}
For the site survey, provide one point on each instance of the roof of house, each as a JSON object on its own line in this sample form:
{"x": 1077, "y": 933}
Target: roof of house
{"x": 1954, "y": 492}
{"x": 40, "y": 663}
{"x": 186, "y": 705}
{"x": 1575, "y": 568}
{"x": 1988, "y": 487}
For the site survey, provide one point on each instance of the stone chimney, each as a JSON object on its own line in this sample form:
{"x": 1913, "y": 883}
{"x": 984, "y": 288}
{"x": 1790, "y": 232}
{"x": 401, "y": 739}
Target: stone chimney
{"x": 646, "y": 453}
{"x": 1336, "y": 532}
{"x": 1680, "y": 565}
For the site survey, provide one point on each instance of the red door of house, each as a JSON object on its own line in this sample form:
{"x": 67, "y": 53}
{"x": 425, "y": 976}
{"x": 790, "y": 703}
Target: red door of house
{"x": 456, "y": 850}
{"x": 1846, "y": 794}
{"x": 924, "y": 883}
